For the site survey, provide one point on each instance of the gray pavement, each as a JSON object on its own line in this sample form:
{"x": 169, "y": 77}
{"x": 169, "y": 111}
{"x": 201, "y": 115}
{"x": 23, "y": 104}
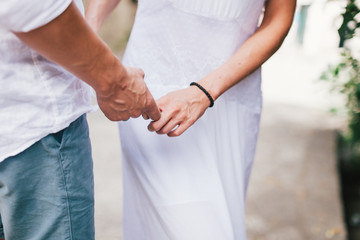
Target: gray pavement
{"x": 107, "y": 172}
{"x": 294, "y": 191}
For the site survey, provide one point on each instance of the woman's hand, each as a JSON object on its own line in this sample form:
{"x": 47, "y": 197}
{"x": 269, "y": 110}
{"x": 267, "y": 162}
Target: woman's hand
{"x": 179, "y": 110}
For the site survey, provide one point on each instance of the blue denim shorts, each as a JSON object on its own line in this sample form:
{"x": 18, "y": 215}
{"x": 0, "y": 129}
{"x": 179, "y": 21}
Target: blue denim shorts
{"x": 47, "y": 191}
{"x": 2, "y": 235}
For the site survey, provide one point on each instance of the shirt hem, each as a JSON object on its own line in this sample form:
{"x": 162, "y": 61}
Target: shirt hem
{"x": 55, "y": 129}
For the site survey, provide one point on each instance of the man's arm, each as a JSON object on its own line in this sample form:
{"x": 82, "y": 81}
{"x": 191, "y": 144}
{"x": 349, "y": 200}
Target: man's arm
{"x": 70, "y": 42}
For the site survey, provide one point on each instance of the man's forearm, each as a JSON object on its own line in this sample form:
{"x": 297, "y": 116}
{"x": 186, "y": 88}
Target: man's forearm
{"x": 70, "y": 42}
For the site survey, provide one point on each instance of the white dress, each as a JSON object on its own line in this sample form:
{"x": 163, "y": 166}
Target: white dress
{"x": 191, "y": 187}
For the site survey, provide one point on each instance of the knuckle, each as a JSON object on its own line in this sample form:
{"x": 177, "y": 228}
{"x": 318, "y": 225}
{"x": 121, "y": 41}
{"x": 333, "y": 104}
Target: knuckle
{"x": 161, "y": 103}
{"x": 176, "y": 134}
{"x": 177, "y": 107}
{"x": 177, "y": 111}
{"x": 111, "y": 117}
{"x": 136, "y": 114}
{"x": 183, "y": 116}
{"x": 155, "y": 128}
{"x": 151, "y": 128}
{"x": 190, "y": 120}
{"x": 139, "y": 72}
{"x": 161, "y": 131}
{"x": 145, "y": 116}
{"x": 124, "y": 117}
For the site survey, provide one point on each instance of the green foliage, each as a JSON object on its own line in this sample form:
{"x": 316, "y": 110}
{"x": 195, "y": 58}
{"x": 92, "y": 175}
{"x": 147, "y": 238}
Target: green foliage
{"x": 349, "y": 25}
{"x": 345, "y": 78}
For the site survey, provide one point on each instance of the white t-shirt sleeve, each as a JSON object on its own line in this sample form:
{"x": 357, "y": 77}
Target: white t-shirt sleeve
{"x": 26, "y": 15}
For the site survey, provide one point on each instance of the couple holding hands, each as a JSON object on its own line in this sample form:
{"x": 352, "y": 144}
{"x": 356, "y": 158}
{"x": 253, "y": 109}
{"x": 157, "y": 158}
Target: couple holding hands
{"x": 201, "y": 63}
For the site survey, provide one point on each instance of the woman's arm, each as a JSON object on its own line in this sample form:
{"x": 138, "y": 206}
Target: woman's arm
{"x": 182, "y": 108}
{"x": 98, "y": 10}
{"x": 256, "y": 50}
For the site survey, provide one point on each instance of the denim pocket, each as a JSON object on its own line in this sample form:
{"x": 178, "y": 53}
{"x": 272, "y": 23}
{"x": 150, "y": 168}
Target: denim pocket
{"x": 59, "y": 136}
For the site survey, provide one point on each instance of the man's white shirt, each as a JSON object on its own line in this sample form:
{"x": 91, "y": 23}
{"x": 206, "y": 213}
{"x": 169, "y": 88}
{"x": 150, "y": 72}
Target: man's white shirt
{"x": 37, "y": 97}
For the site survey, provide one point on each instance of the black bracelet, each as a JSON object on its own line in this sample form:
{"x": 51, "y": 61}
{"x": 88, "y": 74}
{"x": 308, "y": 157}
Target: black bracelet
{"x": 206, "y": 92}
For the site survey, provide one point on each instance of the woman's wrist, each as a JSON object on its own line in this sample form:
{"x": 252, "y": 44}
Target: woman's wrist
{"x": 205, "y": 92}
{"x": 214, "y": 83}
{"x": 222, "y": 79}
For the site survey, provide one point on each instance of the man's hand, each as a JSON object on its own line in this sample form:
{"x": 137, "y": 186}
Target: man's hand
{"x": 70, "y": 42}
{"x": 128, "y": 97}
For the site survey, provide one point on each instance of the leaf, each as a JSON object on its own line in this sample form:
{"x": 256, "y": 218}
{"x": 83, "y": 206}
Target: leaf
{"x": 334, "y": 110}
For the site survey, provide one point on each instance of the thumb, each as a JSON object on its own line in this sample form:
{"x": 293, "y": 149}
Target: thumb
{"x": 152, "y": 110}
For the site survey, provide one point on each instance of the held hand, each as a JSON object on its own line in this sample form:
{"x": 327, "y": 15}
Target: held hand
{"x": 180, "y": 109}
{"x": 128, "y": 97}
{"x": 121, "y": 92}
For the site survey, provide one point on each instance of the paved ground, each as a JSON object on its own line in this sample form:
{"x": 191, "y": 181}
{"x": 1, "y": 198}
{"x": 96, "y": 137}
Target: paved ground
{"x": 293, "y": 193}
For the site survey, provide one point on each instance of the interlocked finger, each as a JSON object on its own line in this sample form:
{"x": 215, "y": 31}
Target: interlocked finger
{"x": 145, "y": 116}
{"x": 171, "y": 125}
{"x": 136, "y": 114}
{"x": 183, "y": 126}
{"x": 155, "y": 126}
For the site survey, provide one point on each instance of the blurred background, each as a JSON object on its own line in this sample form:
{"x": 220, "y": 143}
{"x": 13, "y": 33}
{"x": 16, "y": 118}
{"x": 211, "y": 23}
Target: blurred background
{"x": 305, "y": 183}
